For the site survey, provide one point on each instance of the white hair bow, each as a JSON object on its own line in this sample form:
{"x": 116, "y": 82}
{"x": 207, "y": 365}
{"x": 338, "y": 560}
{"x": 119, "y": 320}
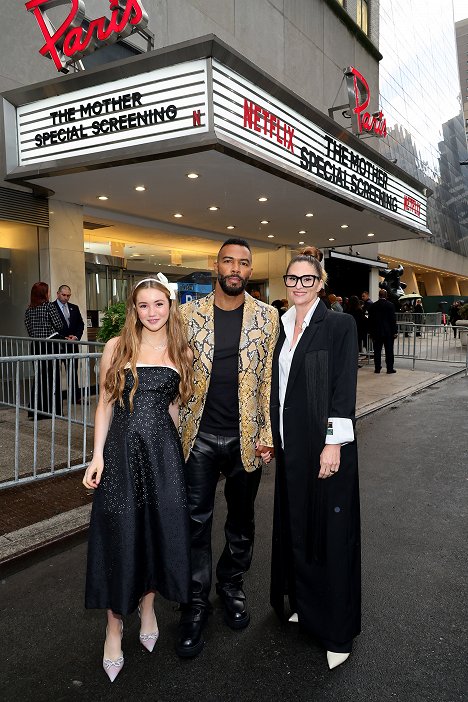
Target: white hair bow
{"x": 162, "y": 280}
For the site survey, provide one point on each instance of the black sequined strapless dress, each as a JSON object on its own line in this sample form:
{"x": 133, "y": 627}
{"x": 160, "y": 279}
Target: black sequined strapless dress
{"x": 139, "y": 529}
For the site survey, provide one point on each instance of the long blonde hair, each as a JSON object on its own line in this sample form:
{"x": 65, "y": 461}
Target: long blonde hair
{"x": 128, "y": 347}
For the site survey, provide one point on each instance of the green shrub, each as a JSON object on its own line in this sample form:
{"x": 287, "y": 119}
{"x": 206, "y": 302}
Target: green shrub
{"x": 464, "y": 311}
{"x": 112, "y": 321}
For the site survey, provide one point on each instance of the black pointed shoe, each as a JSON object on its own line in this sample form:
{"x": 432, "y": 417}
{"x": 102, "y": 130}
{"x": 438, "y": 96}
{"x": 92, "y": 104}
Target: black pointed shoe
{"x": 236, "y": 615}
{"x": 190, "y": 640}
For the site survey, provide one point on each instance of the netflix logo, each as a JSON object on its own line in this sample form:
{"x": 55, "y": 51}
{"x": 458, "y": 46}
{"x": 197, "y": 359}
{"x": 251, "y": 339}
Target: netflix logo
{"x": 261, "y": 120}
{"x": 412, "y": 205}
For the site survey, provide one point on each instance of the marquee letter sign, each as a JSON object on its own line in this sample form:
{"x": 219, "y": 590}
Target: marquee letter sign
{"x": 359, "y": 98}
{"x": 73, "y": 39}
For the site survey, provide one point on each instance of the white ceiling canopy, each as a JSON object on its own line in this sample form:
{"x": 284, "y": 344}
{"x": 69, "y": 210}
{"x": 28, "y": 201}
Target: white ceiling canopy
{"x": 231, "y": 185}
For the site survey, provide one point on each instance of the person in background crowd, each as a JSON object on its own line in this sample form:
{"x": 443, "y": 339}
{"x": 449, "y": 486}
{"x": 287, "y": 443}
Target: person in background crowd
{"x": 225, "y": 429}
{"x": 418, "y": 315}
{"x": 324, "y": 298}
{"x": 138, "y": 542}
{"x": 334, "y": 304}
{"x": 43, "y": 322}
{"x": 366, "y": 301}
{"x": 454, "y": 315}
{"x": 72, "y": 329}
{"x": 316, "y": 528}
{"x": 356, "y": 311}
{"x": 383, "y": 330}
{"x": 278, "y": 305}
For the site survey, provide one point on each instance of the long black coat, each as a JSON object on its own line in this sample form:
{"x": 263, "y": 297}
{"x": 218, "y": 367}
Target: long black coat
{"x": 382, "y": 320}
{"x": 316, "y": 529}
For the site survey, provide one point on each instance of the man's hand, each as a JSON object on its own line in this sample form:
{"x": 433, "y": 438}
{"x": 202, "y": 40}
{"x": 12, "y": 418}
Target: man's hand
{"x": 264, "y": 452}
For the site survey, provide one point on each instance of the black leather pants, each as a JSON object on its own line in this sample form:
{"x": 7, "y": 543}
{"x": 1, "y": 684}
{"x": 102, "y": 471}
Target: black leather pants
{"x": 210, "y": 456}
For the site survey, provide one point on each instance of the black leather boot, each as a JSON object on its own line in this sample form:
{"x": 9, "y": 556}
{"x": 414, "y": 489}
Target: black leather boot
{"x": 234, "y": 602}
{"x": 190, "y": 640}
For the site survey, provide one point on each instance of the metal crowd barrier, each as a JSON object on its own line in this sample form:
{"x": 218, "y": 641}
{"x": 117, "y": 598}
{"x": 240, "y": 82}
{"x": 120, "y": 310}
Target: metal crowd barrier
{"x": 47, "y": 403}
{"x": 23, "y": 345}
{"x": 429, "y": 342}
{"x": 427, "y": 318}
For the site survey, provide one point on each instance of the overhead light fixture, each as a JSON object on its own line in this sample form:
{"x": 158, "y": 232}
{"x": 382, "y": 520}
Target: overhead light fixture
{"x": 344, "y": 226}
{"x": 140, "y": 188}
{"x": 301, "y": 242}
{"x": 213, "y": 208}
{"x": 263, "y": 199}
{"x": 271, "y": 236}
{"x": 309, "y": 214}
{"x": 178, "y": 215}
{"x": 264, "y": 221}
{"x": 302, "y": 231}
{"x": 331, "y": 238}
{"x": 371, "y": 234}
{"x": 102, "y": 197}
{"x": 230, "y": 226}
{"x": 192, "y": 176}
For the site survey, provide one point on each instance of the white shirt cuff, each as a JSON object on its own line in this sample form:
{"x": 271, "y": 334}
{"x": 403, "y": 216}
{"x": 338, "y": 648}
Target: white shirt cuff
{"x": 340, "y": 431}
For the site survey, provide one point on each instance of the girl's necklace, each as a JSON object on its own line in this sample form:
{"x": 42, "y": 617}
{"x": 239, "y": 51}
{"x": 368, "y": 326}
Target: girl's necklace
{"x": 159, "y": 347}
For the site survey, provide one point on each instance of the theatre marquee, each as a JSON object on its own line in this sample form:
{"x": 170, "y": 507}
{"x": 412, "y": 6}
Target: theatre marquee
{"x": 197, "y": 96}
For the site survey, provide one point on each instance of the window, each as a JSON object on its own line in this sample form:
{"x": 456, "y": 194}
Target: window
{"x": 363, "y": 15}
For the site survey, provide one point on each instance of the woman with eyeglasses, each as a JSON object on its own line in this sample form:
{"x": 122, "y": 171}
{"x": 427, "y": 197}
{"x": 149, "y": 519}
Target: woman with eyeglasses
{"x": 316, "y": 529}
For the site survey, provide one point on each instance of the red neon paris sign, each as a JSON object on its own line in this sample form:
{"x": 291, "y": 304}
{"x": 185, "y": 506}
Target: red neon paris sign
{"x": 359, "y": 98}
{"x": 71, "y": 41}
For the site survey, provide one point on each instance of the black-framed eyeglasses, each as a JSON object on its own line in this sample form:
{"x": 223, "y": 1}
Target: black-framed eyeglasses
{"x": 307, "y": 281}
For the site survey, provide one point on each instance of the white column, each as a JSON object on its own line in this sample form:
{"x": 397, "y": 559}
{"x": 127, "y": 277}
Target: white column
{"x": 62, "y": 252}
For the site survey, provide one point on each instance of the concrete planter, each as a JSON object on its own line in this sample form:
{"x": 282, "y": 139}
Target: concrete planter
{"x": 463, "y": 332}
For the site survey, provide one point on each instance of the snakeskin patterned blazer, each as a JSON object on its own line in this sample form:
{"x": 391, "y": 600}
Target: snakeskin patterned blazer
{"x": 260, "y": 328}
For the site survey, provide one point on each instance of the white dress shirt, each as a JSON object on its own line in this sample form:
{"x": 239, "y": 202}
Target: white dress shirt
{"x": 340, "y": 429}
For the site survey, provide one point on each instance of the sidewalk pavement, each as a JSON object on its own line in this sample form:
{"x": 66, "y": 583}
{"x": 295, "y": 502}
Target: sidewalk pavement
{"x": 41, "y": 514}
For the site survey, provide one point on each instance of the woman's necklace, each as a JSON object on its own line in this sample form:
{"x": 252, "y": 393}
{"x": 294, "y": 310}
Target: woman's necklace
{"x": 159, "y": 347}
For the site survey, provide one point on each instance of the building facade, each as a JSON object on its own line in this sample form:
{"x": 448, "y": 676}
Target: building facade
{"x": 96, "y": 218}
{"x": 420, "y": 93}
{"x": 461, "y": 32}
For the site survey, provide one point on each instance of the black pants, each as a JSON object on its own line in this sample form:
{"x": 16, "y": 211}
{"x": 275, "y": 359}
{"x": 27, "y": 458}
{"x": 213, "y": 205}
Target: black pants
{"x": 210, "y": 456}
{"x": 46, "y": 398}
{"x": 387, "y": 342}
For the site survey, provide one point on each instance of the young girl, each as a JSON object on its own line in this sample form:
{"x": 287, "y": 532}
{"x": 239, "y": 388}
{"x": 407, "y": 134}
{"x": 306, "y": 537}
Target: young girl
{"x": 139, "y": 530}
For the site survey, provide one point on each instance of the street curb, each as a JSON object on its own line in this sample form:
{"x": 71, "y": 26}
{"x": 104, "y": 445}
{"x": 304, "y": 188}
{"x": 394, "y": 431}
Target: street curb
{"x": 414, "y": 391}
{"x": 32, "y": 542}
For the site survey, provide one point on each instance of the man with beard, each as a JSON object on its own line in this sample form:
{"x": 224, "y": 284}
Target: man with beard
{"x": 225, "y": 428}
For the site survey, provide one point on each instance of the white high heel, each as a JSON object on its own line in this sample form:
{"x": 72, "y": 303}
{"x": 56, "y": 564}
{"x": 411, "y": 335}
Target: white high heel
{"x": 335, "y": 659}
{"x": 148, "y": 640}
{"x": 113, "y": 667}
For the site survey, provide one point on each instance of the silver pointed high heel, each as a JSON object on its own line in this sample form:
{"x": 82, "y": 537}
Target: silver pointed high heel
{"x": 113, "y": 667}
{"x": 335, "y": 659}
{"x": 148, "y": 640}
{"x": 294, "y": 618}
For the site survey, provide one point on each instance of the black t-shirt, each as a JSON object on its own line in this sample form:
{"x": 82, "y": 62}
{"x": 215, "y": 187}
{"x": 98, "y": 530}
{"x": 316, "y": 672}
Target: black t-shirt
{"x": 221, "y": 413}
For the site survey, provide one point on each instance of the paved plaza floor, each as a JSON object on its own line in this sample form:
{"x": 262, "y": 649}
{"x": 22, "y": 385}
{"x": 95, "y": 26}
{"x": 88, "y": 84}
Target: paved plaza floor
{"x": 413, "y": 645}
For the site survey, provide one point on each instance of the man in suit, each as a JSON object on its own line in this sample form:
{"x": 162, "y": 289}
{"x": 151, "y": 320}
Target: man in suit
{"x": 72, "y": 329}
{"x": 225, "y": 428}
{"x": 383, "y": 330}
